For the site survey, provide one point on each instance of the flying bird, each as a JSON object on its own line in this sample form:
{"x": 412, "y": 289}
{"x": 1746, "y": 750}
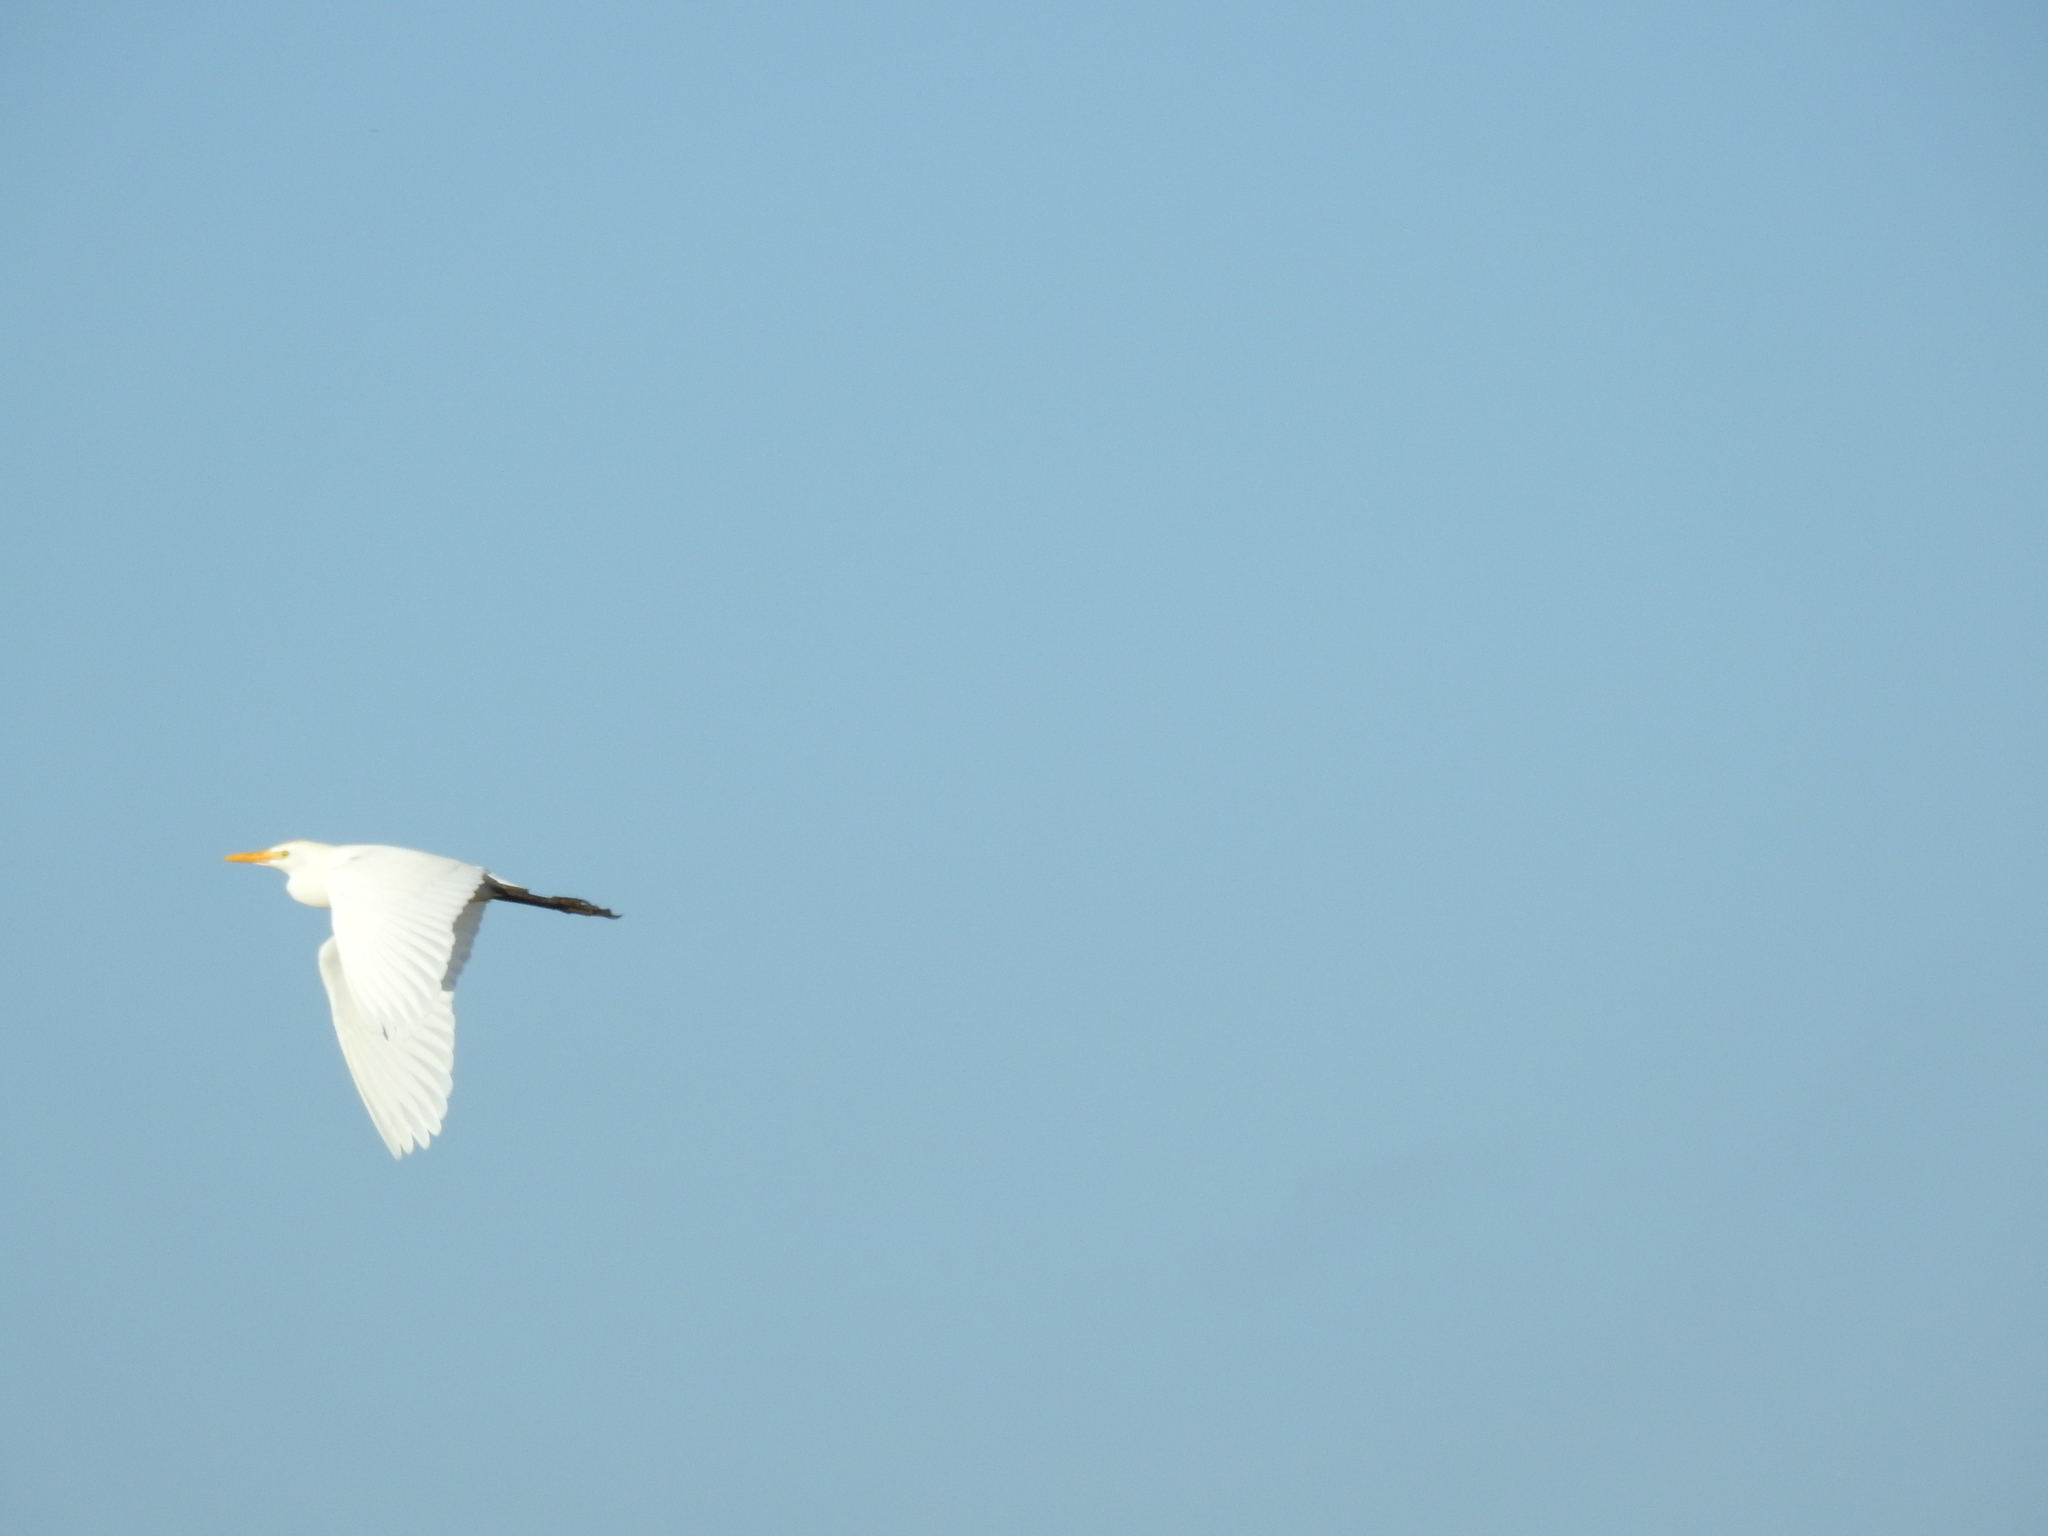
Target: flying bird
{"x": 403, "y": 925}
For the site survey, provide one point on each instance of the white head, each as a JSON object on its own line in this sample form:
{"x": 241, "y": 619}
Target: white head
{"x": 305, "y": 866}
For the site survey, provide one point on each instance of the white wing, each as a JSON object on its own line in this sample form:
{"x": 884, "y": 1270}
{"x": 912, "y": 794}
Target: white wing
{"x": 396, "y": 913}
{"x": 405, "y": 1082}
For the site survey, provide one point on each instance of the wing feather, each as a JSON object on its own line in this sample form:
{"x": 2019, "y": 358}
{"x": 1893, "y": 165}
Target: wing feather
{"x": 404, "y": 923}
{"x": 397, "y": 916}
{"x": 404, "y": 1080}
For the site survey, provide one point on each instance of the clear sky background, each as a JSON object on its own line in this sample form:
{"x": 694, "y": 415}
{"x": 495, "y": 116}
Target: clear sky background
{"x": 1321, "y": 726}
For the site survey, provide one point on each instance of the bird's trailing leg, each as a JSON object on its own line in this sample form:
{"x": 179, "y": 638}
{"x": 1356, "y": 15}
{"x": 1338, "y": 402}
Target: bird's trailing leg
{"x": 497, "y": 890}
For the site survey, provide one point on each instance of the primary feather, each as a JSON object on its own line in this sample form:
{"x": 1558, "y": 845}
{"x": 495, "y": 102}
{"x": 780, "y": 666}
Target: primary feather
{"x": 405, "y": 1082}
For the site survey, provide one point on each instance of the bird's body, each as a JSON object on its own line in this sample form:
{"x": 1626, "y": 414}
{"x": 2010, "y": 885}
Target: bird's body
{"x": 403, "y": 925}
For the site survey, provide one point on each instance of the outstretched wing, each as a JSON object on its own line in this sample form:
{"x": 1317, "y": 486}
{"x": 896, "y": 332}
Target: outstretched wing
{"x": 405, "y": 1080}
{"x": 396, "y": 920}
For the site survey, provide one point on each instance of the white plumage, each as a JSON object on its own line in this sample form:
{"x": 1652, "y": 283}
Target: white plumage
{"x": 404, "y": 922}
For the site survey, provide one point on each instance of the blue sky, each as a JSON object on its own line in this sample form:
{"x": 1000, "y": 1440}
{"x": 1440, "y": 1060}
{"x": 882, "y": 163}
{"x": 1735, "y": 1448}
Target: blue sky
{"x": 1321, "y": 728}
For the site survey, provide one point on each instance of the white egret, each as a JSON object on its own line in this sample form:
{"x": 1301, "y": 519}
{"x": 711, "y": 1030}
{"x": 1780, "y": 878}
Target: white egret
{"x": 403, "y": 925}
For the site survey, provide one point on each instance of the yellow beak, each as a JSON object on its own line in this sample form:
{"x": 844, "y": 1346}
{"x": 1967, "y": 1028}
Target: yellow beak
{"x": 260, "y": 856}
